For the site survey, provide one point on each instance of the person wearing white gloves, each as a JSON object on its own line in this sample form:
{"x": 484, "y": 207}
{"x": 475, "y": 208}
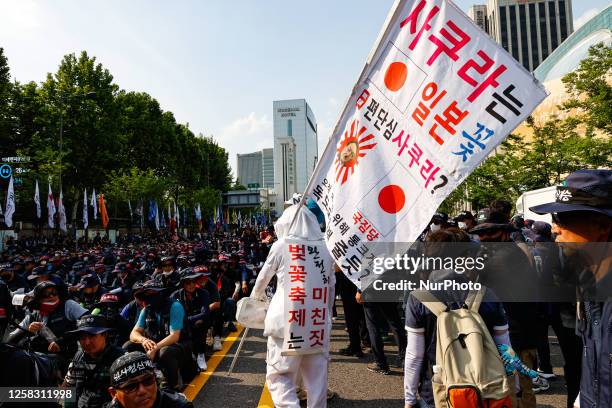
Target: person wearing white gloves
{"x": 283, "y": 370}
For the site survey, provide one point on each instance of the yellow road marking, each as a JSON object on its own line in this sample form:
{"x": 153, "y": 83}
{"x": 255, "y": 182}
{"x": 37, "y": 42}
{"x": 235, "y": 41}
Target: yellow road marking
{"x": 265, "y": 401}
{"x": 193, "y": 388}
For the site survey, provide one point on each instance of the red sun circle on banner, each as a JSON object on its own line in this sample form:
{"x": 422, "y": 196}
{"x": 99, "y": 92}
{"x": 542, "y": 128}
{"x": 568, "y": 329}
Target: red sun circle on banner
{"x": 396, "y": 75}
{"x": 391, "y": 198}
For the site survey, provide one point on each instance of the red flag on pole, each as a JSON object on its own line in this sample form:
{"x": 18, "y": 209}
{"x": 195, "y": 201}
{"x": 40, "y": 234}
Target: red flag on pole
{"x": 103, "y": 212}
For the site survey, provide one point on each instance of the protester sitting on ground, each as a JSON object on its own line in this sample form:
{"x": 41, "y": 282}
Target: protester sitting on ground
{"x": 88, "y": 372}
{"x": 134, "y": 385}
{"x": 109, "y": 307}
{"x": 196, "y": 302}
{"x": 205, "y": 282}
{"x": 11, "y": 278}
{"x": 161, "y": 333}
{"x": 50, "y": 316}
{"x": 89, "y": 291}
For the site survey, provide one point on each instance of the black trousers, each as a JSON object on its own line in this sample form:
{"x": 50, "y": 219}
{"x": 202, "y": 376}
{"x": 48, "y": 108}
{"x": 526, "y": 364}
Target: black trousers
{"x": 169, "y": 359}
{"x": 375, "y": 313}
{"x": 571, "y": 348}
{"x": 353, "y": 312}
{"x": 198, "y": 334}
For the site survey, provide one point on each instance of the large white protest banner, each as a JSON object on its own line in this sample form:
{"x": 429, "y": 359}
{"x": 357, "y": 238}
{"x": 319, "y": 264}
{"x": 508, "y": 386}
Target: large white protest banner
{"x": 307, "y": 296}
{"x": 435, "y": 97}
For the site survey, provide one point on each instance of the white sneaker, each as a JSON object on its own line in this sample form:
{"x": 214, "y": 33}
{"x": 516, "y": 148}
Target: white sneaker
{"x": 539, "y": 385}
{"x": 201, "y": 360}
{"x": 217, "y": 346}
{"x": 548, "y": 376}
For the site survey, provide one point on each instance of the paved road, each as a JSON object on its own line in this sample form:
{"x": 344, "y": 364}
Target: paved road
{"x": 348, "y": 377}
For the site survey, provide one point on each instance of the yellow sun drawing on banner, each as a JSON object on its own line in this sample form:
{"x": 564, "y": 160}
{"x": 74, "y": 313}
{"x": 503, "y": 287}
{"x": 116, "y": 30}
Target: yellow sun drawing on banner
{"x": 353, "y": 146}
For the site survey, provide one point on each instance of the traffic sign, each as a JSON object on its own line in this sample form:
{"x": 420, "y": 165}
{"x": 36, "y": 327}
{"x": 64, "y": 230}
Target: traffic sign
{"x": 6, "y": 171}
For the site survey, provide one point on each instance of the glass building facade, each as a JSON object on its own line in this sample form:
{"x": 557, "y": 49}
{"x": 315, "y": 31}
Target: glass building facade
{"x": 530, "y": 30}
{"x": 295, "y": 145}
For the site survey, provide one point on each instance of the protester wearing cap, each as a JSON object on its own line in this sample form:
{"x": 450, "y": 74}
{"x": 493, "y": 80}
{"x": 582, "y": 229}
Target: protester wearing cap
{"x": 214, "y": 307}
{"x": 89, "y": 291}
{"x": 465, "y": 220}
{"x": 76, "y": 272}
{"x": 134, "y": 385}
{"x": 582, "y": 213}
{"x": 43, "y": 274}
{"x": 502, "y": 250}
{"x": 161, "y": 332}
{"x": 169, "y": 276}
{"x": 12, "y": 279}
{"x": 89, "y": 370}
{"x": 49, "y": 309}
{"x": 109, "y": 306}
{"x": 131, "y": 311}
{"x": 196, "y": 302}
{"x": 228, "y": 285}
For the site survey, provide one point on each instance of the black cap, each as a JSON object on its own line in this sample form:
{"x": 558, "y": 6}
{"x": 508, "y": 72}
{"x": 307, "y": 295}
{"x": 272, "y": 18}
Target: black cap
{"x": 582, "y": 190}
{"x": 39, "y": 271}
{"x": 130, "y": 365}
{"x": 91, "y": 324}
{"x": 464, "y": 215}
{"x": 89, "y": 281}
{"x": 189, "y": 274}
{"x": 440, "y": 217}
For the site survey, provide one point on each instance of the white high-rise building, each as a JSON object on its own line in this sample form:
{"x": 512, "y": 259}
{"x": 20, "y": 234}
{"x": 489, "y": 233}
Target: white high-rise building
{"x": 478, "y": 14}
{"x": 530, "y": 30}
{"x": 295, "y": 147}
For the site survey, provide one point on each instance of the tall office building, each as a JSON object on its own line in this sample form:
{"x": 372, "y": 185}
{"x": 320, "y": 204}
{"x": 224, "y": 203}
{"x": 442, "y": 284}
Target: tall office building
{"x": 250, "y": 169}
{"x": 295, "y": 146}
{"x": 530, "y": 29}
{"x": 478, "y": 13}
{"x": 268, "y": 168}
{"x": 285, "y": 169}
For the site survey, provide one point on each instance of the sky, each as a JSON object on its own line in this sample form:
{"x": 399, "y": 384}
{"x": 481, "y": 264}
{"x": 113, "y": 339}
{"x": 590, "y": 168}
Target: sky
{"x": 217, "y": 65}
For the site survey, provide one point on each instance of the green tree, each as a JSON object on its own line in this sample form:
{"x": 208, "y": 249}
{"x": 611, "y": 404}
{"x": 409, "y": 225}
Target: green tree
{"x": 589, "y": 86}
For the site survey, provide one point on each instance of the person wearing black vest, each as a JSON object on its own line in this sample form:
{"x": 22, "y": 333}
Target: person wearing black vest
{"x": 196, "y": 302}
{"x": 88, "y": 372}
{"x": 162, "y": 333}
{"x": 51, "y": 316}
{"x": 582, "y": 214}
{"x": 12, "y": 278}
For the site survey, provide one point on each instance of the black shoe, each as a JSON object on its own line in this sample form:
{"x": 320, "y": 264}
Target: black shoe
{"x": 231, "y": 327}
{"x": 350, "y": 352}
{"x": 376, "y": 368}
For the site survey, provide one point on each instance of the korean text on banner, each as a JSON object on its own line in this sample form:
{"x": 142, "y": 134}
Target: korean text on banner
{"x": 436, "y": 96}
{"x": 307, "y": 297}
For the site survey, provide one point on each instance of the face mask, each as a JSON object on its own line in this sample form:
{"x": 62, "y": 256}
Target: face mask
{"x": 48, "y": 307}
{"x": 434, "y": 227}
{"x": 462, "y": 225}
{"x": 167, "y": 273}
